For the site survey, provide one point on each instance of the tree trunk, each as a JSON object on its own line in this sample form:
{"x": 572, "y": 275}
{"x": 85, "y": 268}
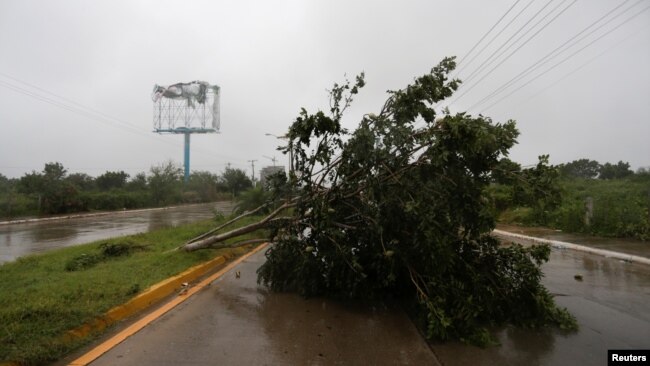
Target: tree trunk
{"x": 207, "y": 242}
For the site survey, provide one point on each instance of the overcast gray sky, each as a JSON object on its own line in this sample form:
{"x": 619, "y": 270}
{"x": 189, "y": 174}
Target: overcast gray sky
{"x": 273, "y": 57}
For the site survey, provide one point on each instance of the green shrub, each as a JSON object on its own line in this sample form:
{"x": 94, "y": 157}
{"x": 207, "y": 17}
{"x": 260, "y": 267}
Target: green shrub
{"x": 620, "y": 207}
{"x": 118, "y": 249}
{"x": 252, "y": 199}
{"x": 570, "y": 216}
{"x": 108, "y": 249}
{"x": 16, "y": 205}
{"x": 115, "y": 200}
{"x": 517, "y": 216}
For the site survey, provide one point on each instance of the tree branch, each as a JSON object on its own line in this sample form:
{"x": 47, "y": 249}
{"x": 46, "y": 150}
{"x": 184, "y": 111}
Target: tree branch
{"x": 207, "y": 242}
{"x": 206, "y": 234}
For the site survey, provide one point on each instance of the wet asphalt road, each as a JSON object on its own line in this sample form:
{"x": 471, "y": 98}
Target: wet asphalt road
{"x": 622, "y": 245}
{"x": 236, "y": 322}
{"x": 17, "y": 240}
{"x": 611, "y": 304}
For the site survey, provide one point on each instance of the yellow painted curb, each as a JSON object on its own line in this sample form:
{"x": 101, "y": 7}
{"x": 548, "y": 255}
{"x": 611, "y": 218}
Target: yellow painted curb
{"x": 137, "y": 326}
{"x": 147, "y": 298}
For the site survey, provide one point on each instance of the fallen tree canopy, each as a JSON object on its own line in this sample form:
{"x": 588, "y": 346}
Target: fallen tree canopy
{"x": 398, "y": 209}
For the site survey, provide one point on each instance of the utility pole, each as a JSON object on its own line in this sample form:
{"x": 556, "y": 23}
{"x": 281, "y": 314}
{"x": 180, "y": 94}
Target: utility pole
{"x": 285, "y": 137}
{"x": 253, "y": 167}
{"x": 273, "y": 159}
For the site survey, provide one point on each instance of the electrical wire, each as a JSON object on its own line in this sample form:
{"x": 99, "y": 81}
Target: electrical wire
{"x": 491, "y": 58}
{"x": 88, "y": 112}
{"x": 496, "y": 36}
{"x": 551, "y": 55}
{"x": 568, "y": 57}
{"x": 488, "y": 32}
{"x": 68, "y": 100}
{"x": 565, "y": 76}
{"x": 516, "y": 50}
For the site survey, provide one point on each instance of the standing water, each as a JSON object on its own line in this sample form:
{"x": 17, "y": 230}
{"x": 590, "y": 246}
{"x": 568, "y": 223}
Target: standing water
{"x": 17, "y": 240}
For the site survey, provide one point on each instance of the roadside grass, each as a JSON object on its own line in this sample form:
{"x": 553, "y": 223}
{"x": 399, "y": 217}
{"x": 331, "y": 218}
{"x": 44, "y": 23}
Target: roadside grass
{"x": 43, "y": 296}
{"x": 621, "y": 208}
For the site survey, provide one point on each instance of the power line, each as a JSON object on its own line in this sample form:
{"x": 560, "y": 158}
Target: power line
{"x": 568, "y": 57}
{"x": 84, "y": 113}
{"x": 490, "y": 58}
{"x": 617, "y": 44}
{"x": 87, "y": 111}
{"x": 61, "y": 105}
{"x": 488, "y": 32}
{"x": 67, "y": 100}
{"x": 496, "y": 36}
{"x": 551, "y": 55}
{"x": 517, "y": 49}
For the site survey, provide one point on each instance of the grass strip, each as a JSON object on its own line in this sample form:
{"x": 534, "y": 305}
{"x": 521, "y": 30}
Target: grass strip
{"x": 43, "y": 296}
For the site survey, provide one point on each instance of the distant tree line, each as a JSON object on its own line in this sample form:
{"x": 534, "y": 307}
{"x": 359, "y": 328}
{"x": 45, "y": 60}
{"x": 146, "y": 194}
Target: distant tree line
{"x": 580, "y": 196}
{"x": 589, "y": 169}
{"x": 55, "y": 191}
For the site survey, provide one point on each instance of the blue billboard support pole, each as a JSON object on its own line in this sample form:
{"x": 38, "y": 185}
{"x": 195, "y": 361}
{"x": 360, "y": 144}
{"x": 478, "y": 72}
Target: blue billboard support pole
{"x": 187, "y": 157}
{"x": 184, "y": 109}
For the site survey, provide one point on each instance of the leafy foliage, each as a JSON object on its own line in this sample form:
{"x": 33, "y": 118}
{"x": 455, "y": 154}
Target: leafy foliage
{"x": 539, "y": 189}
{"x": 205, "y": 184}
{"x": 616, "y": 205}
{"x": 614, "y": 171}
{"x": 397, "y": 210}
{"x": 165, "y": 183}
{"x": 107, "y": 250}
{"x": 138, "y": 182}
{"x": 81, "y": 181}
{"x": 234, "y": 181}
{"x": 506, "y": 172}
{"x": 110, "y": 180}
{"x": 54, "y": 191}
{"x": 581, "y": 168}
{"x": 252, "y": 199}
{"x": 585, "y": 168}
{"x": 621, "y": 207}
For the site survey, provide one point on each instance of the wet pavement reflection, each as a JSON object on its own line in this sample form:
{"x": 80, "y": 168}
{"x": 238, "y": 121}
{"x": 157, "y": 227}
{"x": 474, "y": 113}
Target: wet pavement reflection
{"x": 237, "y": 322}
{"x": 628, "y": 246}
{"x": 17, "y": 240}
{"x": 611, "y": 303}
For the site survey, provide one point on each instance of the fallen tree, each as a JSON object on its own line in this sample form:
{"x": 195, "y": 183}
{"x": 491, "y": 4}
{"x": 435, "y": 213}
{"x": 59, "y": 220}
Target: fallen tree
{"x": 397, "y": 209}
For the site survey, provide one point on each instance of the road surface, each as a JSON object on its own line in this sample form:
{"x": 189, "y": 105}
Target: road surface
{"x": 611, "y": 303}
{"x": 236, "y": 322}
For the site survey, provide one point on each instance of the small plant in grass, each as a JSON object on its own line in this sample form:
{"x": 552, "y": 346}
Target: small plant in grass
{"x": 111, "y": 249}
{"x": 217, "y": 215}
{"x": 108, "y": 249}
